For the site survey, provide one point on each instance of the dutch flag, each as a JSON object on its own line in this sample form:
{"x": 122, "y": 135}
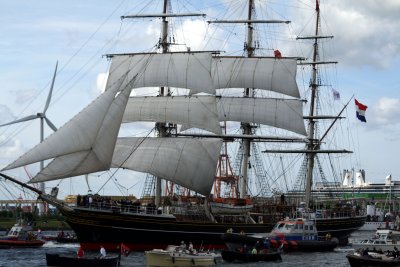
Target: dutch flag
{"x": 360, "y": 111}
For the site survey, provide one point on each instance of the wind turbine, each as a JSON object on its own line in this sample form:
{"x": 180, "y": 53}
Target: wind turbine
{"x": 42, "y": 117}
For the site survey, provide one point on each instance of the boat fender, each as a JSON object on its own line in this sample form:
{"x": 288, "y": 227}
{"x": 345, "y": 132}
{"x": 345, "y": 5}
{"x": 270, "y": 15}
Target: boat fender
{"x": 173, "y": 259}
{"x": 215, "y": 261}
{"x": 193, "y": 262}
{"x": 293, "y": 244}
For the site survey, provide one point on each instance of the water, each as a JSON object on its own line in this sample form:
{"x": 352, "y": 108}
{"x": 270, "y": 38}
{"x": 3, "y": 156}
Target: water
{"x": 35, "y": 257}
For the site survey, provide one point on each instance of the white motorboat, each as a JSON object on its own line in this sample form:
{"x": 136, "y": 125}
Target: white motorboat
{"x": 180, "y": 256}
{"x": 384, "y": 239}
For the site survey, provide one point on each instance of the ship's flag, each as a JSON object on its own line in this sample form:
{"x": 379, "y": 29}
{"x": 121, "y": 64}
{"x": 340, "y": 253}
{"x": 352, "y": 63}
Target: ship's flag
{"x": 360, "y": 111}
{"x": 336, "y": 94}
{"x": 277, "y": 54}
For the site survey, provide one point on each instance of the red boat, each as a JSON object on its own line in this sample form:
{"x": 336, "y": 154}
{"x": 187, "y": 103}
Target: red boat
{"x": 20, "y": 237}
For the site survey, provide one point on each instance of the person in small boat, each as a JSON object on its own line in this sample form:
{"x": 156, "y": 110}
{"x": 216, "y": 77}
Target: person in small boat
{"x": 183, "y": 246}
{"x": 61, "y": 234}
{"x": 243, "y": 249}
{"x": 103, "y": 252}
{"x": 80, "y": 253}
{"x": 396, "y": 253}
{"x": 365, "y": 252}
{"x": 190, "y": 248}
{"x": 328, "y": 236}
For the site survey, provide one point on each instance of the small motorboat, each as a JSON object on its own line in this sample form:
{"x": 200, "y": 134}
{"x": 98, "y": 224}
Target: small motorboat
{"x": 64, "y": 260}
{"x": 180, "y": 256}
{"x": 20, "y": 236}
{"x": 300, "y": 235}
{"x": 372, "y": 259}
{"x": 61, "y": 237}
{"x": 384, "y": 239}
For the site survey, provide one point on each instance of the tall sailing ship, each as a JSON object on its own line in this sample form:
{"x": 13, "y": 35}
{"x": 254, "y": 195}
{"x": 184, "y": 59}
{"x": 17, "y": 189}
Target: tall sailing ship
{"x": 90, "y": 142}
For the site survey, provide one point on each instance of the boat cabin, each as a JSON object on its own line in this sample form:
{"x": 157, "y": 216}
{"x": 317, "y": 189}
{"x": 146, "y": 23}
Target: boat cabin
{"x": 384, "y": 236}
{"x": 19, "y": 232}
{"x": 297, "y": 229}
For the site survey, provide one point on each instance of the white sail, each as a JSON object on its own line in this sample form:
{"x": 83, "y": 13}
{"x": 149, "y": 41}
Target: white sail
{"x": 185, "y": 161}
{"x": 84, "y": 144}
{"x": 191, "y": 111}
{"x": 183, "y": 70}
{"x": 273, "y": 74}
{"x": 282, "y": 113}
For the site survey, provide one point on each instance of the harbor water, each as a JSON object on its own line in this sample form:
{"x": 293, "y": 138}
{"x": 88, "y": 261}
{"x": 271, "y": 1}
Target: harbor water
{"x": 32, "y": 257}
{"x": 36, "y": 257}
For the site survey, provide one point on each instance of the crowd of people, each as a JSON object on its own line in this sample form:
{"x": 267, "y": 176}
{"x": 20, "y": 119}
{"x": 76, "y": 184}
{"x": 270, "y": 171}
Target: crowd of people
{"x": 123, "y": 205}
{"x": 395, "y": 253}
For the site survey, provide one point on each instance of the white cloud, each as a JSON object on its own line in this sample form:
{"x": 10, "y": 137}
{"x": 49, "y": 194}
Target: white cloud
{"x": 366, "y": 31}
{"x": 10, "y": 149}
{"x": 6, "y": 114}
{"x": 25, "y": 96}
{"x": 385, "y": 111}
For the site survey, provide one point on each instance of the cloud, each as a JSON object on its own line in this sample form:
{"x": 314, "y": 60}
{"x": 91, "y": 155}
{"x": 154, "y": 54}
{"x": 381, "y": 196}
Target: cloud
{"x": 6, "y": 114}
{"x": 25, "y": 96}
{"x": 366, "y": 31}
{"x": 385, "y": 112}
{"x": 10, "y": 149}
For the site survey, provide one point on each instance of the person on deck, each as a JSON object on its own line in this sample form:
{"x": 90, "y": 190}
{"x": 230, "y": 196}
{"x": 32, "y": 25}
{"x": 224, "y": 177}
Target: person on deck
{"x": 191, "y": 249}
{"x": 103, "y": 253}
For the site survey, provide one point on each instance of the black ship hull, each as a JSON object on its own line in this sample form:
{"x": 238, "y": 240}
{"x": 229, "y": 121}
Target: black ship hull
{"x": 147, "y": 231}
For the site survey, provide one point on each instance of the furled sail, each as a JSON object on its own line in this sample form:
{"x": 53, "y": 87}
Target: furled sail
{"x": 183, "y": 70}
{"x": 278, "y": 75}
{"x": 191, "y": 111}
{"x": 84, "y": 144}
{"x": 282, "y": 113}
{"x": 188, "y": 162}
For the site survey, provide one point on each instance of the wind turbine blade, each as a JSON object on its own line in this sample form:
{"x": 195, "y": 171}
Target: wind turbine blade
{"x": 27, "y": 118}
{"x": 51, "y": 125}
{"x": 51, "y": 90}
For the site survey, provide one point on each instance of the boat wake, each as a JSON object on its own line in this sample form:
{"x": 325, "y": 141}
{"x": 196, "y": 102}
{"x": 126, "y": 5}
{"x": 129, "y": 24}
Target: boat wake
{"x": 51, "y": 244}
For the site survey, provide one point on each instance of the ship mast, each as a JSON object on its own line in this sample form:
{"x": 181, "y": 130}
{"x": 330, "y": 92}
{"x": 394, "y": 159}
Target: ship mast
{"x": 313, "y": 145}
{"x": 311, "y": 126}
{"x": 163, "y": 129}
{"x": 249, "y": 92}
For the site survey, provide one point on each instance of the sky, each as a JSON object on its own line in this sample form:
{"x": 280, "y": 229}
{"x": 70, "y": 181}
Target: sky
{"x": 77, "y": 34}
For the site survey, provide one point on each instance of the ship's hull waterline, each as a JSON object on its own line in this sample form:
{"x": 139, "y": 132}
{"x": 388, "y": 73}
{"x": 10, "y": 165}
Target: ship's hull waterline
{"x": 142, "y": 232}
